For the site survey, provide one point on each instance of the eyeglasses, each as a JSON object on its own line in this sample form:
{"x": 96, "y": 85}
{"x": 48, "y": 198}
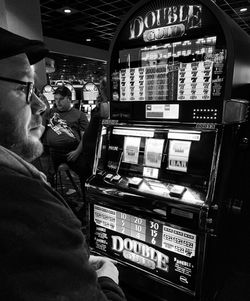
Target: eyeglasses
{"x": 27, "y": 87}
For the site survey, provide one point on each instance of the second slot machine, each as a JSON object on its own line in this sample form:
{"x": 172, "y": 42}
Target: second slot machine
{"x": 160, "y": 195}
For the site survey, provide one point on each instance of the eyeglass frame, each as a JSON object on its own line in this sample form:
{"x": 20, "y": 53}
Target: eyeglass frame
{"x": 30, "y": 86}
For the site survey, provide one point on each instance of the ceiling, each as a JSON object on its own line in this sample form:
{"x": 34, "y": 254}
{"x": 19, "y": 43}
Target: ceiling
{"x": 97, "y": 20}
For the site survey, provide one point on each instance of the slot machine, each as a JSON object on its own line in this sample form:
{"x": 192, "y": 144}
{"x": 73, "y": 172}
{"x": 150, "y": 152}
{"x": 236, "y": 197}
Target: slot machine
{"x": 165, "y": 172}
{"x": 90, "y": 94}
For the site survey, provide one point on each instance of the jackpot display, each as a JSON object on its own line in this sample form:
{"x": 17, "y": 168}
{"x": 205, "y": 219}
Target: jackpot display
{"x": 165, "y": 168}
{"x": 162, "y": 75}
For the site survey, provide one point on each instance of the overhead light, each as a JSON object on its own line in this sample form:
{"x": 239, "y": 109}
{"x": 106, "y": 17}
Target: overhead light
{"x": 67, "y": 11}
{"x": 88, "y": 40}
{"x": 243, "y": 9}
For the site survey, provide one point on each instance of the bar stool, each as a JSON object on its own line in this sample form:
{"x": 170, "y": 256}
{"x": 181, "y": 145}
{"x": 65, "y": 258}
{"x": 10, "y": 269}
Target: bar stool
{"x": 58, "y": 179}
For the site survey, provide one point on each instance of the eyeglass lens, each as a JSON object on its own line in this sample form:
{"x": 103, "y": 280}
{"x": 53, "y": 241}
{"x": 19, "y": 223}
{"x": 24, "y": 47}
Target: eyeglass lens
{"x": 30, "y": 90}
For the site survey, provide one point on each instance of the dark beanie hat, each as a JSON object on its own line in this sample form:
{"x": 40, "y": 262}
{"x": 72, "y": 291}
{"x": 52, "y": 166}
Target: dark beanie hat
{"x": 12, "y": 44}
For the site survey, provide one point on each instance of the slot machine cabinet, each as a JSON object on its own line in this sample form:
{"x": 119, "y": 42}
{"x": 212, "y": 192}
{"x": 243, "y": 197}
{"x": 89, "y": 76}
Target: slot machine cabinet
{"x": 90, "y": 94}
{"x": 165, "y": 173}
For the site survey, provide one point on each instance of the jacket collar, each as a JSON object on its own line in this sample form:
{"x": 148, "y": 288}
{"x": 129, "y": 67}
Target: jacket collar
{"x": 13, "y": 161}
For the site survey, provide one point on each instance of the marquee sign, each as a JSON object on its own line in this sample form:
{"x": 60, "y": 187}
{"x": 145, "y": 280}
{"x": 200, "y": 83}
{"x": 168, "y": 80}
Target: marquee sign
{"x": 166, "y": 22}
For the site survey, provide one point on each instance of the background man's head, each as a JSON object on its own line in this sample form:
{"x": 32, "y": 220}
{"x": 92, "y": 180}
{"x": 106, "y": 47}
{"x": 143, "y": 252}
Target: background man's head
{"x": 63, "y": 99}
{"x": 20, "y": 108}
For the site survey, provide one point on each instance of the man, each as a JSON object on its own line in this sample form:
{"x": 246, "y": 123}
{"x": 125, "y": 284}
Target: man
{"x": 65, "y": 127}
{"x": 43, "y": 254}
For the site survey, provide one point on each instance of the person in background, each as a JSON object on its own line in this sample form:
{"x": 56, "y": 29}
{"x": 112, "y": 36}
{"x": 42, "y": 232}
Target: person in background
{"x": 65, "y": 127}
{"x": 43, "y": 255}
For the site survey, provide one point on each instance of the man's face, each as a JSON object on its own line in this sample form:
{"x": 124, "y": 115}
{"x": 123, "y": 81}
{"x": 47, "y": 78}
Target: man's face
{"x": 20, "y": 123}
{"x": 63, "y": 103}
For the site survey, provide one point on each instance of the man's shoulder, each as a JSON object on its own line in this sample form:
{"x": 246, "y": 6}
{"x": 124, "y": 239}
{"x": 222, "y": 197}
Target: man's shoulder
{"x": 16, "y": 179}
{"x": 19, "y": 188}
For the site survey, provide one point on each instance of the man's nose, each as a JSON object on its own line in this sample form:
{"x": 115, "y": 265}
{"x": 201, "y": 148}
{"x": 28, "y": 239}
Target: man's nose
{"x": 37, "y": 105}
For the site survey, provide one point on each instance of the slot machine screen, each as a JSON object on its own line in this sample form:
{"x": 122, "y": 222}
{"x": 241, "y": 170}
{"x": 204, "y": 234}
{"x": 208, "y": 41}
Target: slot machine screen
{"x": 174, "y": 71}
{"x": 169, "y": 52}
{"x": 184, "y": 156}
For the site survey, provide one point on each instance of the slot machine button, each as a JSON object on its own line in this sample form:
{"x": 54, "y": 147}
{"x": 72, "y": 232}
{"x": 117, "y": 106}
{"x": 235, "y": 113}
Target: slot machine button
{"x": 177, "y": 191}
{"x": 116, "y": 178}
{"x": 108, "y": 177}
{"x": 134, "y": 182}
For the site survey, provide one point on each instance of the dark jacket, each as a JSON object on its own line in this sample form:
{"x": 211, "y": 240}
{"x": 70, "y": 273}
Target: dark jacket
{"x": 43, "y": 253}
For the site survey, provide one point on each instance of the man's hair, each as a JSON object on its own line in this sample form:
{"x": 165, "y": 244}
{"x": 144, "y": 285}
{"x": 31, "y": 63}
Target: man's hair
{"x": 64, "y": 91}
{"x": 12, "y": 44}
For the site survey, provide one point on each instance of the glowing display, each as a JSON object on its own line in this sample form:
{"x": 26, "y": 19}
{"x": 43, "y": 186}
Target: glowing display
{"x": 153, "y": 25}
{"x": 131, "y": 149}
{"x": 156, "y": 233}
{"x": 90, "y": 92}
{"x": 149, "y": 244}
{"x": 178, "y": 155}
{"x": 178, "y": 71}
{"x": 153, "y": 152}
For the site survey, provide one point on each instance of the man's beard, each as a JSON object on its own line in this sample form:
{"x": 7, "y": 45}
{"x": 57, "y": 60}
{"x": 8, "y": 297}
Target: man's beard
{"x": 13, "y": 138}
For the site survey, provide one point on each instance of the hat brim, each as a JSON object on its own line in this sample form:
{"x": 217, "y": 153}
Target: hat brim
{"x": 12, "y": 44}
